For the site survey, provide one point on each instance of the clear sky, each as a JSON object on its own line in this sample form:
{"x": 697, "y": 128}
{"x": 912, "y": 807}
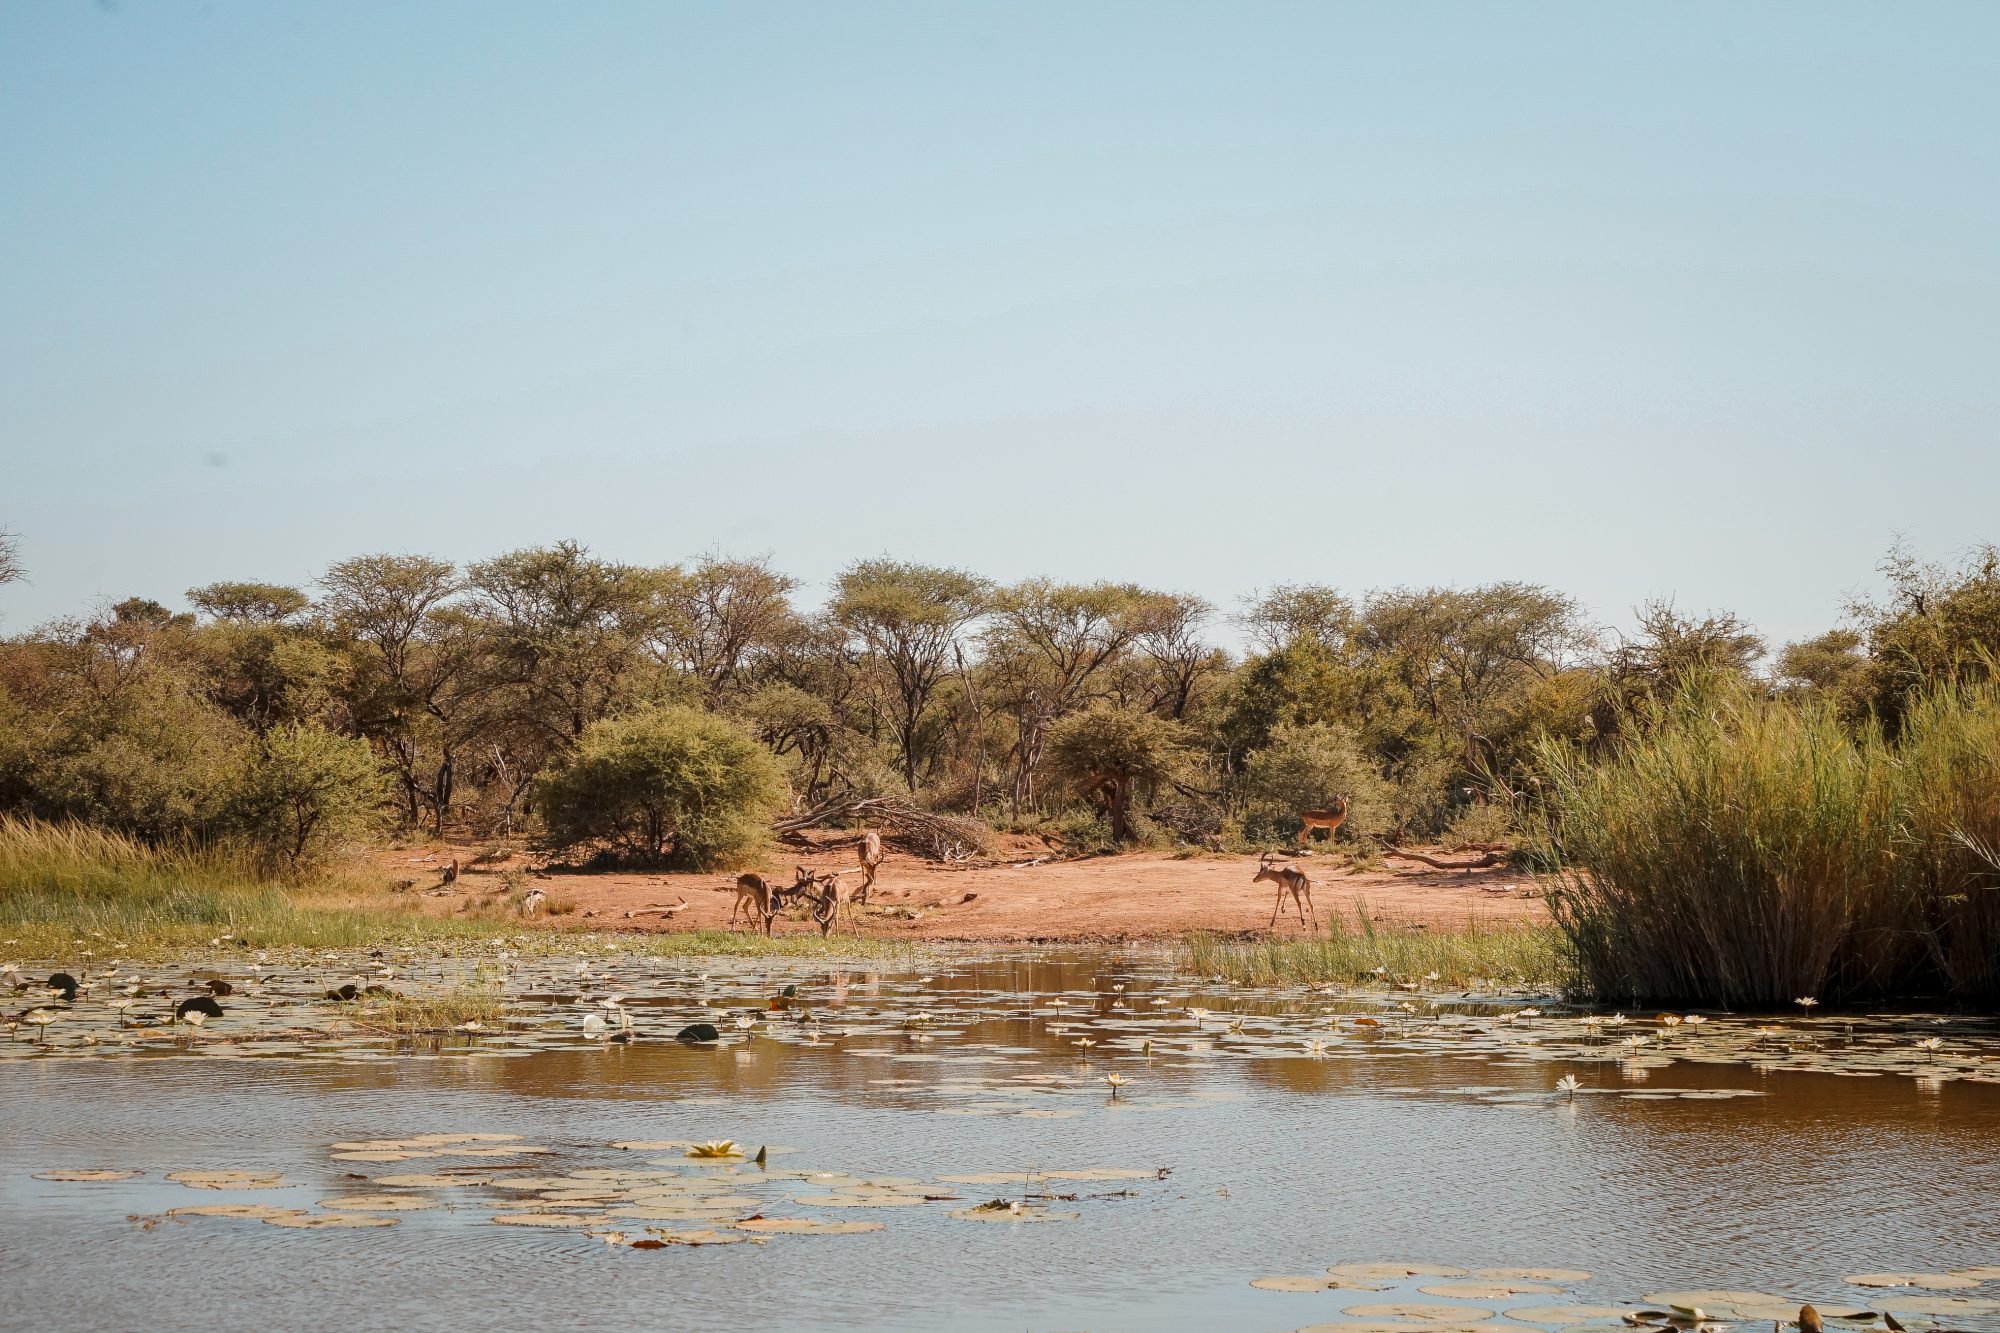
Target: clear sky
{"x": 1699, "y": 300}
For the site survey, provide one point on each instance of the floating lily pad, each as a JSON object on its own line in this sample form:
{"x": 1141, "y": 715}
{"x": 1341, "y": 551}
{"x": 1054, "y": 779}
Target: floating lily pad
{"x": 1372, "y": 1272}
{"x": 328, "y": 1221}
{"x": 86, "y": 1175}
{"x": 256, "y": 1211}
{"x": 704, "y": 1237}
{"x": 228, "y": 1180}
{"x": 1489, "y": 1291}
{"x": 431, "y": 1182}
{"x": 883, "y": 1199}
{"x": 1306, "y": 1283}
{"x": 1565, "y": 1314}
{"x": 379, "y": 1203}
{"x": 1928, "y": 1281}
{"x": 1419, "y": 1312}
{"x": 805, "y": 1226}
{"x": 560, "y": 1220}
{"x": 1000, "y": 1210}
{"x": 1533, "y": 1274}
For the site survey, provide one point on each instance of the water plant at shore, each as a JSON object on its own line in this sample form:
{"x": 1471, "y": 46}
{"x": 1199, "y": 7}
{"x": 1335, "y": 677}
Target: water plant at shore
{"x": 1745, "y": 851}
{"x": 1358, "y": 950}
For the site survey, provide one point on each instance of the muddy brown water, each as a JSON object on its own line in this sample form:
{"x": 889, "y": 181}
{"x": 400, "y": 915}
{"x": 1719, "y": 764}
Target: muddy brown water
{"x": 1408, "y": 1140}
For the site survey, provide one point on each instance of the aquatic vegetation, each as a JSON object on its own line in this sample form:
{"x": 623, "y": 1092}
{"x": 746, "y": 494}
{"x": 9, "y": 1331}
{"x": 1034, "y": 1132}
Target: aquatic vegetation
{"x": 715, "y": 1148}
{"x": 1744, "y": 852}
{"x": 1531, "y": 957}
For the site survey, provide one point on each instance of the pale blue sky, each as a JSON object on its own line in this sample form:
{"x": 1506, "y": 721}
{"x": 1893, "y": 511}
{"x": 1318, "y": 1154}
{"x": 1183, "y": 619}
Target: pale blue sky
{"x": 1691, "y": 300}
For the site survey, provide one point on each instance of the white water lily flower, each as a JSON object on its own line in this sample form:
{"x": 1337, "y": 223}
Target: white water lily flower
{"x": 1569, "y": 1083}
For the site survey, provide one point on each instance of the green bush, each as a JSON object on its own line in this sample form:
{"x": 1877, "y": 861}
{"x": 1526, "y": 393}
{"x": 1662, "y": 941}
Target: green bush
{"x": 669, "y": 783}
{"x": 155, "y": 760}
{"x": 1115, "y": 754}
{"x": 303, "y": 790}
{"x": 1302, "y": 768}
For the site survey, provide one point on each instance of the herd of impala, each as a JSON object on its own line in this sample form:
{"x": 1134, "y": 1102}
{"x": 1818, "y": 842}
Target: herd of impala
{"x": 827, "y": 893}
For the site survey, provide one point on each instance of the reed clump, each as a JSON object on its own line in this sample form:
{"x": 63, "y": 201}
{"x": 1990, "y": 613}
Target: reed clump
{"x": 1749, "y": 852}
{"x": 1947, "y": 776}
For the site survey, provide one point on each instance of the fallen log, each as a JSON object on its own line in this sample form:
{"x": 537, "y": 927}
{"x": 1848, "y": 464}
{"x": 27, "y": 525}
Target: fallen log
{"x": 937, "y": 837}
{"x": 1485, "y": 862}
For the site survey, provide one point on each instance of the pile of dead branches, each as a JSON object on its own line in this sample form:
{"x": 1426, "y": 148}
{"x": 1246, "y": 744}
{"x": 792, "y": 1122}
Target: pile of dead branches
{"x": 926, "y": 833}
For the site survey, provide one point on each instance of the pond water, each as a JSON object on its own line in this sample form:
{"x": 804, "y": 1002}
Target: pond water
{"x": 1269, "y": 1133}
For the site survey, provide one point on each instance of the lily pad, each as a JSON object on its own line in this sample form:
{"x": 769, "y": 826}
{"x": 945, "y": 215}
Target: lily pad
{"x": 1000, "y": 1210}
{"x": 805, "y": 1226}
{"x": 431, "y": 1182}
{"x": 559, "y": 1220}
{"x": 82, "y": 1175}
{"x": 1305, "y": 1283}
{"x": 1565, "y": 1314}
{"x": 1533, "y": 1274}
{"x": 1928, "y": 1281}
{"x": 227, "y": 1180}
{"x": 1489, "y": 1291}
{"x": 1372, "y": 1272}
{"x": 701, "y": 1237}
{"x": 1418, "y": 1312}
{"x": 328, "y": 1221}
{"x": 379, "y": 1203}
{"x": 257, "y": 1211}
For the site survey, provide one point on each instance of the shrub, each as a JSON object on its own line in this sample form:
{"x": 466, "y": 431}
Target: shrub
{"x": 668, "y": 783}
{"x": 1303, "y": 768}
{"x": 302, "y": 790}
{"x": 1114, "y": 754}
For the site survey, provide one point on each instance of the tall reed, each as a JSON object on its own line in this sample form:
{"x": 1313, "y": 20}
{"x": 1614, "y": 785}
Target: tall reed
{"x": 1947, "y": 775}
{"x": 1741, "y": 852}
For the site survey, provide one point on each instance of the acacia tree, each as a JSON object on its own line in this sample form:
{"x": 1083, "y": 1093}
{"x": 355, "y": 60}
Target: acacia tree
{"x": 1047, "y": 641}
{"x": 10, "y": 558}
{"x": 1460, "y": 651}
{"x": 415, "y": 679}
{"x": 909, "y": 617}
{"x": 723, "y": 615}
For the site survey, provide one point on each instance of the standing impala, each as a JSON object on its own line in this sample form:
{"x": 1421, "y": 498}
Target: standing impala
{"x": 1329, "y": 818}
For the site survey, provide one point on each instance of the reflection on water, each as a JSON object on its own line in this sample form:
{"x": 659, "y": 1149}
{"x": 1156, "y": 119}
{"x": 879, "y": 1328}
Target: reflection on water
{"x": 1294, "y": 1137}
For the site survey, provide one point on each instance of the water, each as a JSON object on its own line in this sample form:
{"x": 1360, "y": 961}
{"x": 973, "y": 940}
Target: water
{"x": 1444, "y": 1143}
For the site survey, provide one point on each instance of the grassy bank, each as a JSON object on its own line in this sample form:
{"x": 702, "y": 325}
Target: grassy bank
{"x": 1352, "y": 951}
{"x": 66, "y": 888}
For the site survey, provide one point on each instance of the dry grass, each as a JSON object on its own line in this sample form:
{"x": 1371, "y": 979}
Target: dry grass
{"x": 69, "y": 886}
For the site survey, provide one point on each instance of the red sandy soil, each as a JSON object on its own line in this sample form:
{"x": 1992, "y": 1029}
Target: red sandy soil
{"x": 1134, "y": 896}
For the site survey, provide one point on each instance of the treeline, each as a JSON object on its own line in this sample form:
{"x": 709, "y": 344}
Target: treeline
{"x": 545, "y": 689}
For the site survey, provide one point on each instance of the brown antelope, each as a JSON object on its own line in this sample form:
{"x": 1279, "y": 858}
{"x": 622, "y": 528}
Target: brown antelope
{"x": 1289, "y": 879}
{"x": 833, "y": 895}
{"x": 1330, "y": 819}
{"x": 871, "y": 857}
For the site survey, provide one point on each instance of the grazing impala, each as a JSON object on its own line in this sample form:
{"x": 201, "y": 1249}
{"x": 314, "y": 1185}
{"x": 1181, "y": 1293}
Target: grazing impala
{"x": 1292, "y": 880}
{"x": 833, "y": 895}
{"x": 1330, "y": 819}
{"x": 766, "y": 899}
{"x": 871, "y": 857}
